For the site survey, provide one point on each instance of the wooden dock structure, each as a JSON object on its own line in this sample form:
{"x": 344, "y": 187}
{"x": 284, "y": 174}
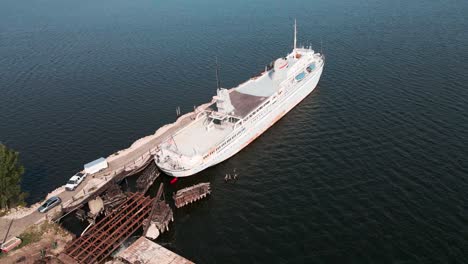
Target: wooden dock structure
{"x": 160, "y": 217}
{"x": 147, "y": 178}
{"x": 191, "y": 194}
{"x": 113, "y": 198}
{"x": 120, "y": 165}
{"x": 106, "y": 236}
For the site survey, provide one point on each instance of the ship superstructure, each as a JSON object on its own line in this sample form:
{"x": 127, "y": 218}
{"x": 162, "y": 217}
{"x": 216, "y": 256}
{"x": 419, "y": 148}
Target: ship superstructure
{"x": 238, "y": 115}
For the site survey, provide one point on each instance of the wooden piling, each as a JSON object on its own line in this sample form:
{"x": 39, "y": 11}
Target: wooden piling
{"x": 191, "y": 194}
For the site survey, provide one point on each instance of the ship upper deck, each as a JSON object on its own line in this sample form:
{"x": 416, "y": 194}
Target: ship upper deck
{"x": 266, "y": 84}
{"x": 202, "y": 135}
{"x": 249, "y": 95}
{"x": 196, "y": 138}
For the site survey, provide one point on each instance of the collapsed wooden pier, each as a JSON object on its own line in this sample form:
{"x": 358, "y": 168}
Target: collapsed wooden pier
{"x": 191, "y": 194}
{"x": 124, "y": 214}
{"x": 106, "y": 236}
{"x": 147, "y": 178}
{"x": 113, "y": 198}
{"x": 160, "y": 217}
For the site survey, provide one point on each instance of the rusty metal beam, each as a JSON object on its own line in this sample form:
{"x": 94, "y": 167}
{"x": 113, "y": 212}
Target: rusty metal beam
{"x": 122, "y": 225}
{"x": 101, "y": 226}
{"x": 109, "y": 224}
{"x": 127, "y": 230}
{"x": 103, "y": 238}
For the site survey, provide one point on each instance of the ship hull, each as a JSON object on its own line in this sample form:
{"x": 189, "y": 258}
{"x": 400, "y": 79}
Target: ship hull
{"x": 257, "y": 129}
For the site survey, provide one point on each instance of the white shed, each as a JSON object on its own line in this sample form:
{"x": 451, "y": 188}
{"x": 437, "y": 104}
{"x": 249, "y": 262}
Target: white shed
{"x": 95, "y": 166}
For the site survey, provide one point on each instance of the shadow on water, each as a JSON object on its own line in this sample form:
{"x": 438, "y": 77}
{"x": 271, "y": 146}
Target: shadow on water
{"x": 73, "y": 224}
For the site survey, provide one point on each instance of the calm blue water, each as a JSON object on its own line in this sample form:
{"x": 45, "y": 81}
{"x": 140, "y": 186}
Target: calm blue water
{"x": 370, "y": 168}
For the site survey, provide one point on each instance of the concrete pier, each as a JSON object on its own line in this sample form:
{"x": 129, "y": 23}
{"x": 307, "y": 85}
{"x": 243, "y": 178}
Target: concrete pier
{"x": 120, "y": 164}
{"x": 144, "y": 250}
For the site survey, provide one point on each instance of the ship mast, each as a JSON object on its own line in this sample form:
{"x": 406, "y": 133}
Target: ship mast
{"x": 295, "y": 34}
{"x": 218, "y": 83}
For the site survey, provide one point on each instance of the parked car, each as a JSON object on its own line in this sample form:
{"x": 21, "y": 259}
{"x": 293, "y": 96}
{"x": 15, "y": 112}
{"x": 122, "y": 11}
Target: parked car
{"x": 49, "y": 204}
{"x": 75, "y": 180}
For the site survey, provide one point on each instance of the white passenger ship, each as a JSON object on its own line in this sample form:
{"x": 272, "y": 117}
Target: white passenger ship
{"x": 239, "y": 115}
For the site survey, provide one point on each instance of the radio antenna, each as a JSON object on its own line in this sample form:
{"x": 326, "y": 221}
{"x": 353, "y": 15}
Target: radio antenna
{"x": 218, "y": 83}
{"x": 295, "y": 34}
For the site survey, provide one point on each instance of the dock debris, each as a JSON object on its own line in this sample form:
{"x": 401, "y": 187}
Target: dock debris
{"x": 191, "y": 194}
{"x": 106, "y": 235}
{"x": 10, "y": 244}
{"x": 96, "y": 206}
{"x": 229, "y": 177}
{"x": 147, "y": 177}
{"x": 160, "y": 216}
{"x": 113, "y": 198}
{"x": 81, "y": 214}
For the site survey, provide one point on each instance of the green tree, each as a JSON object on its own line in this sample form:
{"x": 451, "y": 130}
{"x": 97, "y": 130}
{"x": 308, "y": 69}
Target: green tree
{"x": 10, "y": 179}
